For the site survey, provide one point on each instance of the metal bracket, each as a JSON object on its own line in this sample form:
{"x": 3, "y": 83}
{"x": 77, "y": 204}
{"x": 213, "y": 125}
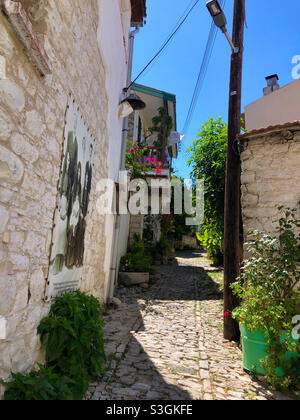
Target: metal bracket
{"x": 236, "y": 147}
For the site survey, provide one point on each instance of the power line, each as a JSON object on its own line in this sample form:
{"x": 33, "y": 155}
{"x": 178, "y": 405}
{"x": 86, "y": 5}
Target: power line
{"x": 172, "y": 30}
{"x": 201, "y": 75}
{"x": 202, "y": 72}
{"x": 165, "y": 43}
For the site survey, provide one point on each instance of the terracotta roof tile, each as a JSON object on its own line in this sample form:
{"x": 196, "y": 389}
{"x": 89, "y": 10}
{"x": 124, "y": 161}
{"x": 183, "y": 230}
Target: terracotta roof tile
{"x": 270, "y": 128}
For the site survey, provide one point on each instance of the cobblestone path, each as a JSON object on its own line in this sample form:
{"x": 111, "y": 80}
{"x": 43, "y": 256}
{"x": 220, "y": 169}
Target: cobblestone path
{"x": 166, "y": 342}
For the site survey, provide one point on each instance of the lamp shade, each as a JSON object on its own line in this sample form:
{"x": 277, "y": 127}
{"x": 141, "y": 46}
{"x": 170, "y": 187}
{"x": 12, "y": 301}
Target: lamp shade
{"x": 135, "y": 101}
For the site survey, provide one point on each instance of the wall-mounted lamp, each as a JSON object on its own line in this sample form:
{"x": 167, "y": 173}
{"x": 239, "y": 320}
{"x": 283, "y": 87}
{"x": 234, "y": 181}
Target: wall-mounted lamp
{"x": 131, "y": 102}
{"x": 135, "y": 101}
{"x": 219, "y": 18}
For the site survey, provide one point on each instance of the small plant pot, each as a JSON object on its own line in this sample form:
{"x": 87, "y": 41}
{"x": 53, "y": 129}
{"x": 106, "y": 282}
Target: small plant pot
{"x": 254, "y": 351}
{"x": 130, "y": 279}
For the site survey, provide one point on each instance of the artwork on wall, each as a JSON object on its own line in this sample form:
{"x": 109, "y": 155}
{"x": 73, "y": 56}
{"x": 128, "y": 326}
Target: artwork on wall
{"x": 67, "y": 250}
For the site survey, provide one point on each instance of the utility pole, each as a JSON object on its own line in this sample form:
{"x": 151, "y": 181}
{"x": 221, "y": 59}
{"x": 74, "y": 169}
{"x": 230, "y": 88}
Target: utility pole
{"x": 232, "y": 189}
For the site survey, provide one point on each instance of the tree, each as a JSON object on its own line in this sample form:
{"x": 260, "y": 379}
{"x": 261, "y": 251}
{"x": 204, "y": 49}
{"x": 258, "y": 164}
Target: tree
{"x": 208, "y": 162}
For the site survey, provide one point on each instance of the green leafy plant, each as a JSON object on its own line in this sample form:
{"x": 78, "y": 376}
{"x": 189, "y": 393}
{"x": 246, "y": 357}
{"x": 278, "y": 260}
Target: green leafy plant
{"x": 180, "y": 227}
{"x": 167, "y": 225}
{"x": 73, "y": 332}
{"x": 137, "y": 162}
{"x": 270, "y": 296}
{"x": 137, "y": 260}
{"x": 208, "y": 162}
{"x": 158, "y": 126}
{"x": 41, "y": 385}
{"x": 165, "y": 248}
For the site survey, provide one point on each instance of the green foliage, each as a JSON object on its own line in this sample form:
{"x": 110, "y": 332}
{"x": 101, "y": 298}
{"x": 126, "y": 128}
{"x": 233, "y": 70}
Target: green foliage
{"x": 208, "y": 162}
{"x": 211, "y": 238}
{"x": 167, "y": 225}
{"x": 164, "y": 247}
{"x": 270, "y": 298}
{"x": 137, "y": 162}
{"x": 41, "y": 385}
{"x": 157, "y": 127}
{"x": 180, "y": 226}
{"x": 137, "y": 260}
{"x": 74, "y": 335}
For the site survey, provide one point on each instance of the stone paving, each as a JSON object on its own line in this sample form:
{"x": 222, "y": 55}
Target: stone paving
{"x": 166, "y": 342}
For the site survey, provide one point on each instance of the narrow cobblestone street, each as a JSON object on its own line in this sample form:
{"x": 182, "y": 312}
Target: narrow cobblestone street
{"x": 166, "y": 342}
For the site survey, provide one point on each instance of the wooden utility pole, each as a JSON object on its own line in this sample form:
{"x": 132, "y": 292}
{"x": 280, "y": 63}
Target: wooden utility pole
{"x": 232, "y": 188}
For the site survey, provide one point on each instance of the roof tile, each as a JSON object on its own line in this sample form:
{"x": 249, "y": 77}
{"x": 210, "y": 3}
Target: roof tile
{"x": 265, "y": 130}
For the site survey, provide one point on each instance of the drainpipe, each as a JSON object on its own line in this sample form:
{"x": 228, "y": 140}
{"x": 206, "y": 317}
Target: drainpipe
{"x": 128, "y": 81}
{"x": 115, "y": 252}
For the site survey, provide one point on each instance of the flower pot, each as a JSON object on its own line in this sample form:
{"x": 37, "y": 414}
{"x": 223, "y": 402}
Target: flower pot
{"x": 254, "y": 350}
{"x": 130, "y": 279}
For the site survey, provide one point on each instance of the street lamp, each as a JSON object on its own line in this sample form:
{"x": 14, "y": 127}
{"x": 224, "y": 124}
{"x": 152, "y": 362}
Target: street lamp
{"x": 219, "y": 18}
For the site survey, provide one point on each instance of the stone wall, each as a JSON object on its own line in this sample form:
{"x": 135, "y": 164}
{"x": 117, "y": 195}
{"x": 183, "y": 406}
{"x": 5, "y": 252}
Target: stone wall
{"x": 187, "y": 241}
{"x": 32, "y": 113}
{"x": 270, "y": 176}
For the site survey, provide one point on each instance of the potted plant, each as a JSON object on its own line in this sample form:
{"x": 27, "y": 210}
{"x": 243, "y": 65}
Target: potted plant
{"x": 135, "y": 266}
{"x": 138, "y": 161}
{"x": 270, "y": 298}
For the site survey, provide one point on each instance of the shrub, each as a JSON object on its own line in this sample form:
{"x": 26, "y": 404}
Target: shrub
{"x": 208, "y": 162}
{"x": 136, "y": 261}
{"x": 73, "y": 334}
{"x": 164, "y": 247}
{"x": 137, "y": 162}
{"x": 39, "y": 385}
{"x": 270, "y": 296}
{"x": 211, "y": 238}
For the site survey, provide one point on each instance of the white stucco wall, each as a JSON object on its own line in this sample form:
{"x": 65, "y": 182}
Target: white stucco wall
{"x": 114, "y": 47}
{"x": 279, "y": 107}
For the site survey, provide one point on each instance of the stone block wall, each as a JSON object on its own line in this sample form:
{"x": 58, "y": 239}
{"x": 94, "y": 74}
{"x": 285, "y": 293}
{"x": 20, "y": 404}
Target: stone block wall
{"x": 270, "y": 176}
{"x": 32, "y": 116}
{"x": 190, "y": 241}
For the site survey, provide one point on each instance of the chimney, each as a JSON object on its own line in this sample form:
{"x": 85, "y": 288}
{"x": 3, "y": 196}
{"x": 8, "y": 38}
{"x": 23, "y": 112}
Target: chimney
{"x": 272, "y": 84}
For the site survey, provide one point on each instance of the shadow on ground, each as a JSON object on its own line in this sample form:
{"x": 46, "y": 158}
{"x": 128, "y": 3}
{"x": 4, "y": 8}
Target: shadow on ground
{"x": 152, "y": 339}
{"x": 140, "y": 355}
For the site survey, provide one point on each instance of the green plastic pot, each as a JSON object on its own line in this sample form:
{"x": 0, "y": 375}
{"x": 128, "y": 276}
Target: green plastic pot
{"x": 254, "y": 350}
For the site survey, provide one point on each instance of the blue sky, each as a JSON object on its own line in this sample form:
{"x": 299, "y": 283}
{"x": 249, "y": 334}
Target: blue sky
{"x": 271, "y": 40}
